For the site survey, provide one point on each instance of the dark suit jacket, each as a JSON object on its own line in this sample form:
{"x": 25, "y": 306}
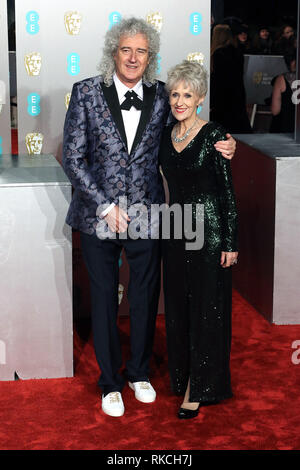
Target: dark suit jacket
{"x": 95, "y": 156}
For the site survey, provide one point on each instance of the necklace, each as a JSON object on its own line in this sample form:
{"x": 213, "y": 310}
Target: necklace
{"x": 185, "y": 135}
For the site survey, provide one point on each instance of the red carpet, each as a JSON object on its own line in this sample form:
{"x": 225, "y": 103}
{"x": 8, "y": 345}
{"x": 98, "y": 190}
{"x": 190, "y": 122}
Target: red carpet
{"x": 264, "y": 413}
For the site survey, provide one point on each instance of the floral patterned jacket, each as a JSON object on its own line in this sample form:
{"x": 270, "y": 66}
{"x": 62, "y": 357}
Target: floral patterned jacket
{"x": 95, "y": 156}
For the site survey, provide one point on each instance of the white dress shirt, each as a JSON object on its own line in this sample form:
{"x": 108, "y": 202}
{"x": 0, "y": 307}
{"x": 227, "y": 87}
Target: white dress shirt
{"x": 131, "y": 118}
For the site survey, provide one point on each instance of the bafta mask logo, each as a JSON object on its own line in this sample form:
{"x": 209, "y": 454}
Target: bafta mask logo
{"x": 34, "y": 143}
{"x": 33, "y": 63}
{"x": 196, "y": 57}
{"x": 156, "y": 20}
{"x": 257, "y": 78}
{"x": 73, "y": 22}
{"x": 120, "y": 293}
{"x": 67, "y": 100}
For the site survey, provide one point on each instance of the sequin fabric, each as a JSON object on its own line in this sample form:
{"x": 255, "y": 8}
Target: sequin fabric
{"x": 197, "y": 289}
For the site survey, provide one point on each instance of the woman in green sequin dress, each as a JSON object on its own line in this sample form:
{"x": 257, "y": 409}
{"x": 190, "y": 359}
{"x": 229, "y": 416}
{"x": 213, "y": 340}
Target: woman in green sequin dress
{"x": 197, "y": 283}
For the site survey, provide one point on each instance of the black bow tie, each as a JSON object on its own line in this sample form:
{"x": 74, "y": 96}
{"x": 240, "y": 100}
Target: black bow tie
{"x": 132, "y": 99}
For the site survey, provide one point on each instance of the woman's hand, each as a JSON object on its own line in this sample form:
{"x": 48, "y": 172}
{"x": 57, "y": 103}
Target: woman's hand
{"x": 226, "y": 147}
{"x": 228, "y": 258}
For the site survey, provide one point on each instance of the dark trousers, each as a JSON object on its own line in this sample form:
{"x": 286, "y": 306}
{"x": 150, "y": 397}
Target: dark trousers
{"x": 102, "y": 261}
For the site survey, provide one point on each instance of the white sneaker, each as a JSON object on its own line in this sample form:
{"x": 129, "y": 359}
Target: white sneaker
{"x": 112, "y": 404}
{"x": 144, "y": 391}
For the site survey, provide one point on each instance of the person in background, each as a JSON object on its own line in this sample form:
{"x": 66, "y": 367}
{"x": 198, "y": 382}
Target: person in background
{"x": 262, "y": 42}
{"x": 282, "y": 106}
{"x": 287, "y": 32}
{"x": 243, "y": 42}
{"x": 239, "y": 32}
{"x": 285, "y": 40}
{"x": 197, "y": 279}
{"x": 228, "y": 96}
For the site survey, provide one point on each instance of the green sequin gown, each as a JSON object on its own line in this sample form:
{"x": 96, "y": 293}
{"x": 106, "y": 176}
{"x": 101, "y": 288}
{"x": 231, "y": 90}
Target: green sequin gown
{"x": 197, "y": 290}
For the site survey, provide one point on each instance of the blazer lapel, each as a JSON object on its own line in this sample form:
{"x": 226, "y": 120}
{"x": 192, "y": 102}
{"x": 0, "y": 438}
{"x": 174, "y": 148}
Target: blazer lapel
{"x": 111, "y": 96}
{"x": 148, "y": 98}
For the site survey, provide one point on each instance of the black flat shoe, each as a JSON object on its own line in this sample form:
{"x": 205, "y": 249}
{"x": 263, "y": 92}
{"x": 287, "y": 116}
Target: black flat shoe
{"x": 184, "y": 413}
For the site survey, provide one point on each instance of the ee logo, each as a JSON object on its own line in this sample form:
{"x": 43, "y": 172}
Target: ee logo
{"x": 33, "y": 101}
{"x": 73, "y": 63}
{"x": 114, "y": 18}
{"x": 195, "y": 23}
{"x": 1, "y": 151}
{"x": 158, "y": 64}
{"x": 32, "y": 26}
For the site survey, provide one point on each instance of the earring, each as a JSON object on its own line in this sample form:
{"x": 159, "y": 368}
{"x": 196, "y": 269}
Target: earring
{"x": 199, "y": 108}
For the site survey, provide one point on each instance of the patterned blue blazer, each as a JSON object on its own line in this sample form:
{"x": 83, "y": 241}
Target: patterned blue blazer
{"x": 95, "y": 155}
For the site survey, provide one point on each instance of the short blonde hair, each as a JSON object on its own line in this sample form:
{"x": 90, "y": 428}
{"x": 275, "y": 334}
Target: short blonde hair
{"x": 193, "y": 74}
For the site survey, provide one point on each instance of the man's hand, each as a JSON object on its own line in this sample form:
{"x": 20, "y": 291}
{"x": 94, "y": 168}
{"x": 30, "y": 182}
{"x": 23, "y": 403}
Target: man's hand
{"x": 226, "y": 147}
{"x": 117, "y": 220}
